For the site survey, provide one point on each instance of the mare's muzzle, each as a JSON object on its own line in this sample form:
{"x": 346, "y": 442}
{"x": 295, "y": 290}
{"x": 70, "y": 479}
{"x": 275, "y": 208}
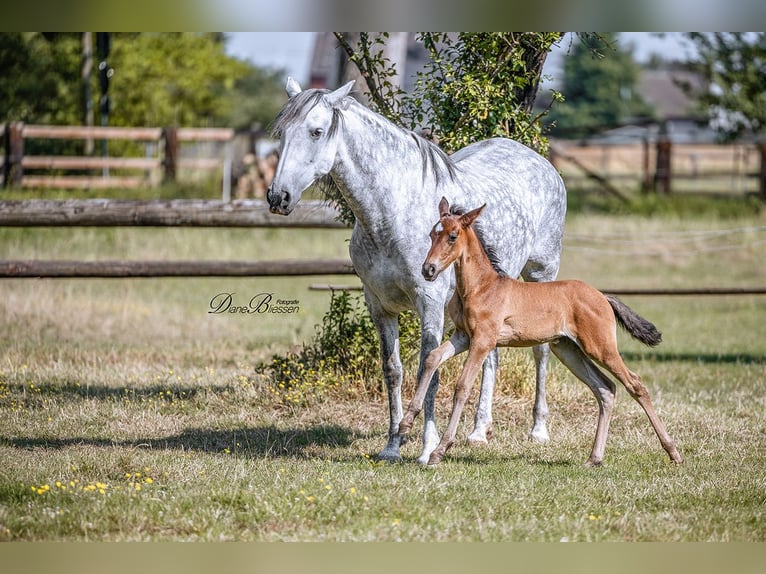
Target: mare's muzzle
{"x": 279, "y": 202}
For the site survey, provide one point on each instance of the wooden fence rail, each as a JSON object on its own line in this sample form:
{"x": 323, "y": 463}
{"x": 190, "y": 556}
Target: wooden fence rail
{"x": 123, "y": 269}
{"x": 165, "y": 166}
{"x": 176, "y": 212}
{"x": 179, "y": 212}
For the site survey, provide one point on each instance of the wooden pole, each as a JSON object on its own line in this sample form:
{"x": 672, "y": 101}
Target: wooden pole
{"x": 124, "y": 269}
{"x": 85, "y": 77}
{"x": 662, "y": 172}
{"x": 170, "y": 137}
{"x": 14, "y": 150}
{"x": 176, "y": 212}
{"x": 762, "y": 173}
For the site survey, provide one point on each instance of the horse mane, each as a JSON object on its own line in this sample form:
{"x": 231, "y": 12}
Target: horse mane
{"x": 298, "y": 106}
{"x": 435, "y": 160}
{"x": 489, "y": 250}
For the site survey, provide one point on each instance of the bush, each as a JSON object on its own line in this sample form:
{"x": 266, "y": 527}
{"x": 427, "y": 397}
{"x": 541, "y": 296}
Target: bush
{"x": 344, "y": 355}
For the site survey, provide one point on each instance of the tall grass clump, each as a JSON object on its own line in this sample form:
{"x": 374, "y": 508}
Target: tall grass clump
{"x": 343, "y": 356}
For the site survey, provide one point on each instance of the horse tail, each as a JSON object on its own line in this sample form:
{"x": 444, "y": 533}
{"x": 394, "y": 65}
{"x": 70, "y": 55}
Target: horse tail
{"x": 639, "y": 328}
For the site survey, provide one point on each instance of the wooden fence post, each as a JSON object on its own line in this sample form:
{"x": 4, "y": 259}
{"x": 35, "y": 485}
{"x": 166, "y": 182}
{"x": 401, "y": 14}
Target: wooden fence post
{"x": 170, "y": 161}
{"x": 762, "y": 173}
{"x": 14, "y": 153}
{"x": 646, "y": 177}
{"x": 662, "y": 174}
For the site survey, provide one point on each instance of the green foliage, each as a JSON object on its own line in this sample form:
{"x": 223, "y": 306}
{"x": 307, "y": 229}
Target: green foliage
{"x": 475, "y": 86}
{"x": 160, "y": 79}
{"x": 344, "y": 355}
{"x": 176, "y": 79}
{"x": 481, "y": 85}
{"x": 40, "y": 77}
{"x": 733, "y": 65}
{"x": 599, "y": 87}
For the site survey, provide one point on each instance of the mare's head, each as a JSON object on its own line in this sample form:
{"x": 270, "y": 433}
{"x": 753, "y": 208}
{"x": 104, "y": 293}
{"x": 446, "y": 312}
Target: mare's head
{"x": 448, "y": 239}
{"x": 306, "y": 127}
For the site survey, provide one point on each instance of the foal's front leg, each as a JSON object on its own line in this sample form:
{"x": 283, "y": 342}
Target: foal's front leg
{"x": 455, "y": 345}
{"x": 476, "y": 354}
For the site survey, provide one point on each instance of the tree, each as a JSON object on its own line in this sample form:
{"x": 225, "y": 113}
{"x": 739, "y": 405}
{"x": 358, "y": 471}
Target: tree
{"x": 734, "y": 65}
{"x": 40, "y": 75}
{"x": 179, "y": 79}
{"x": 159, "y": 79}
{"x": 598, "y": 87}
{"x": 476, "y": 85}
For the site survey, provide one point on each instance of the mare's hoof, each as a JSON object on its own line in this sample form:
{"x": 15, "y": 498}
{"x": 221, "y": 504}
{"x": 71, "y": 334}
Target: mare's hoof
{"x": 389, "y": 456}
{"x": 539, "y": 435}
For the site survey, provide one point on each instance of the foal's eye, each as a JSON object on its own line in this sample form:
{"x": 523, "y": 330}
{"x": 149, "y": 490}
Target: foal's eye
{"x": 316, "y": 133}
{"x": 452, "y": 237}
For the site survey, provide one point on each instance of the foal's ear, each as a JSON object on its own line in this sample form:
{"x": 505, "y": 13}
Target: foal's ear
{"x": 292, "y": 87}
{"x": 467, "y": 219}
{"x": 443, "y": 207}
{"x": 336, "y": 97}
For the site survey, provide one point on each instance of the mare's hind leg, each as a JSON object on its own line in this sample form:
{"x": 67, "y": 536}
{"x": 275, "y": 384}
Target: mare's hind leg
{"x": 482, "y": 424}
{"x": 602, "y": 387}
{"x": 541, "y": 268}
{"x": 539, "y": 432}
{"x": 614, "y": 363}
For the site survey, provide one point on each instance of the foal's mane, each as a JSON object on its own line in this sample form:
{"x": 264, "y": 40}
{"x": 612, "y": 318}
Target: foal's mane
{"x": 489, "y": 250}
{"x": 434, "y": 159}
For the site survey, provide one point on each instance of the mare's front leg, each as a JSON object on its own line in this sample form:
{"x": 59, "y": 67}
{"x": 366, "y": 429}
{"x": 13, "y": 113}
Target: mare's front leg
{"x": 432, "y": 328}
{"x": 387, "y": 326}
{"x": 482, "y": 424}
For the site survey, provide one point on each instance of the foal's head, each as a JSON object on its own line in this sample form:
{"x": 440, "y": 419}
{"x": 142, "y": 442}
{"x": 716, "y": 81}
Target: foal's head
{"x": 448, "y": 239}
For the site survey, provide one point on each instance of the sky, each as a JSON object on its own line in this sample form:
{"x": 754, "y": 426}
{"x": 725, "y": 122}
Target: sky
{"x": 291, "y": 51}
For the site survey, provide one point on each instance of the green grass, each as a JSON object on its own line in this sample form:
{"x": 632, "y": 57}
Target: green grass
{"x": 127, "y": 412}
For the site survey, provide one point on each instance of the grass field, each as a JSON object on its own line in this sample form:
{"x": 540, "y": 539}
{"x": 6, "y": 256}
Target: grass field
{"x": 128, "y": 412}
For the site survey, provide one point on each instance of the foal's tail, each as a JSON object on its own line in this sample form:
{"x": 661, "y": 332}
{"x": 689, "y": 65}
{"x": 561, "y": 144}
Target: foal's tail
{"x": 638, "y": 327}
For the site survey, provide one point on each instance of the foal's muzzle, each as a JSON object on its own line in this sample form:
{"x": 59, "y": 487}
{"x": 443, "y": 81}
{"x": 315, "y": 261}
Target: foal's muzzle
{"x": 429, "y": 271}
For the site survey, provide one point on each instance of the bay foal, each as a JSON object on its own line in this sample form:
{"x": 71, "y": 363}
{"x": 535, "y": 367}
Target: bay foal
{"x": 491, "y": 309}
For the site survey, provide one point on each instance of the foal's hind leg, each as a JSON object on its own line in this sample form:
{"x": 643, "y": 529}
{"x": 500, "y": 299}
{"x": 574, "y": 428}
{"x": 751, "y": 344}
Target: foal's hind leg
{"x": 614, "y": 363}
{"x": 602, "y": 387}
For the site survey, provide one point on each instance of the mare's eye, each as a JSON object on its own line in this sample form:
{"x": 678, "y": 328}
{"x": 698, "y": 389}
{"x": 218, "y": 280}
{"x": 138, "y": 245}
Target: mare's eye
{"x": 316, "y": 133}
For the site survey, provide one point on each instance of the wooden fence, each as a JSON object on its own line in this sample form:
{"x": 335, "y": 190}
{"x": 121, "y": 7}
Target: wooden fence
{"x": 665, "y": 167}
{"x": 203, "y": 213}
{"x": 181, "y": 212}
{"x": 164, "y": 163}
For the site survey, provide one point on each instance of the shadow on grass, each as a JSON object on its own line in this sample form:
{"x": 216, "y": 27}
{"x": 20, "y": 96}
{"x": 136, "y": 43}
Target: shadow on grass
{"x": 707, "y": 358}
{"x": 255, "y": 442}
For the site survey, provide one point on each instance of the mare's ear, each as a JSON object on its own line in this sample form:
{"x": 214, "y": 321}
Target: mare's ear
{"x": 336, "y": 97}
{"x": 292, "y": 87}
{"x": 443, "y": 207}
{"x": 467, "y": 219}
